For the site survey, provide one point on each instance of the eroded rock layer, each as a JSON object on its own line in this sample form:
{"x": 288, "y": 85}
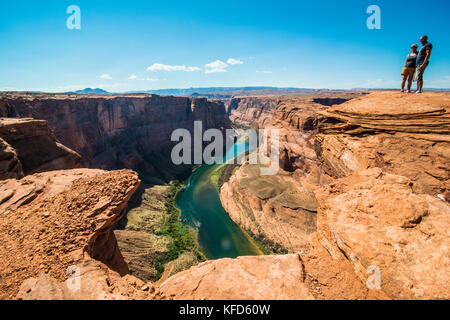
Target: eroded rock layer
{"x": 275, "y": 208}
{"x": 404, "y": 135}
{"x": 33, "y": 148}
{"x": 10, "y": 166}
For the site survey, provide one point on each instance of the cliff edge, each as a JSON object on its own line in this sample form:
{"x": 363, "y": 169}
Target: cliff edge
{"x": 377, "y": 167}
{"x": 57, "y": 223}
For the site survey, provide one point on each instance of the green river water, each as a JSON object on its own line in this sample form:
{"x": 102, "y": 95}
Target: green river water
{"x": 200, "y": 205}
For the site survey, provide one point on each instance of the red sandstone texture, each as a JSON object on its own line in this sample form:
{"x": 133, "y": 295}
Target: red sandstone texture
{"x": 51, "y": 221}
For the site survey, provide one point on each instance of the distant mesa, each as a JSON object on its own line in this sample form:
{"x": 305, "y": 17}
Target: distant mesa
{"x": 91, "y": 91}
{"x": 230, "y": 92}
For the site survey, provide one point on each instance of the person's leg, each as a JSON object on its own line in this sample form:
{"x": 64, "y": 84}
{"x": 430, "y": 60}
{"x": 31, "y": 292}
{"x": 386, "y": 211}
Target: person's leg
{"x": 410, "y": 79}
{"x": 404, "y": 81}
{"x": 420, "y": 79}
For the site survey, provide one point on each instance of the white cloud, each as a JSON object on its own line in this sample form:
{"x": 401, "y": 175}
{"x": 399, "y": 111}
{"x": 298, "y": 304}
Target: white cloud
{"x": 267, "y": 72}
{"x": 106, "y": 76}
{"x": 216, "y": 66}
{"x": 234, "y": 61}
{"x": 135, "y": 77}
{"x": 169, "y": 68}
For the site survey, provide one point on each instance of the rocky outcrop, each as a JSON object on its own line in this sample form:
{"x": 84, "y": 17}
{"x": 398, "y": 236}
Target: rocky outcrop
{"x": 403, "y": 135}
{"x": 115, "y": 132}
{"x": 260, "y": 111}
{"x": 10, "y": 166}
{"x": 276, "y": 208}
{"x": 244, "y": 278}
{"x": 377, "y": 167}
{"x": 57, "y": 220}
{"x": 29, "y": 146}
{"x": 97, "y": 282}
{"x": 393, "y": 113}
{"x": 377, "y": 223}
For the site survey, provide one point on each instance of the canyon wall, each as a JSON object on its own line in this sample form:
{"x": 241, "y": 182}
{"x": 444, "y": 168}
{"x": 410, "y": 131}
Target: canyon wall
{"x": 281, "y": 208}
{"x": 28, "y": 146}
{"x": 115, "y": 132}
{"x": 377, "y": 167}
{"x": 254, "y": 112}
{"x": 10, "y": 166}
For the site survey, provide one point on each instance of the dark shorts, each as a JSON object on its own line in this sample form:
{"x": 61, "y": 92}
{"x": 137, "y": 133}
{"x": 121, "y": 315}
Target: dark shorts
{"x": 420, "y": 73}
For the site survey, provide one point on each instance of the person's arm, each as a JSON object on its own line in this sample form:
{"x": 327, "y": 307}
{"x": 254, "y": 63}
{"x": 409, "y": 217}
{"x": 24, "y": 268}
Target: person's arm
{"x": 427, "y": 59}
{"x": 406, "y": 62}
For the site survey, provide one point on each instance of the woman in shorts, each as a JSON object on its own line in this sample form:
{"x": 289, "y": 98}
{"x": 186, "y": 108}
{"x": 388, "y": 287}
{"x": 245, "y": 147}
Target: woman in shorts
{"x": 409, "y": 68}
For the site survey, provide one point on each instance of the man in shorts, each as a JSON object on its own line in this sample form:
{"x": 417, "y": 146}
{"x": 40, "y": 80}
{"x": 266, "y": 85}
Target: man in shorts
{"x": 423, "y": 59}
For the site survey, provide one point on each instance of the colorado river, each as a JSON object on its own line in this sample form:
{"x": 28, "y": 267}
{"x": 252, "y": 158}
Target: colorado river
{"x": 200, "y": 205}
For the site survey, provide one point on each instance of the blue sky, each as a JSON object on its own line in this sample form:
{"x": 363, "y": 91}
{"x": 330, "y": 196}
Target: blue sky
{"x": 139, "y": 45}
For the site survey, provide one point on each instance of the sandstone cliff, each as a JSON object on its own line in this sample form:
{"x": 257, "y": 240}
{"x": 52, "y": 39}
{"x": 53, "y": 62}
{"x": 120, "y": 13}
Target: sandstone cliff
{"x": 10, "y": 166}
{"x": 244, "y": 278}
{"x": 392, "y": 218}
{"x": 258, "y": 111}
{"x": 252, "y": 111}
{"x": 115, "y": 132}
{"x": 54, "y": 220}
{"x": 29, "y": 146}
{"x": 404, "y": 135}
{"x": 281, "y": 208}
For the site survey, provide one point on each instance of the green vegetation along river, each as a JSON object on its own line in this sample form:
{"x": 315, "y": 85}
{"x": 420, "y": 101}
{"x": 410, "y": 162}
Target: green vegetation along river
{"x": 200, "y": 206}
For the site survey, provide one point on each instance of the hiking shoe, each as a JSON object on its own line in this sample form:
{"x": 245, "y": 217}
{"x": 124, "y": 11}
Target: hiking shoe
{"x": 418, "y": 92}
{"x": 409, "y": 91}
{"x": 403, "y": 90}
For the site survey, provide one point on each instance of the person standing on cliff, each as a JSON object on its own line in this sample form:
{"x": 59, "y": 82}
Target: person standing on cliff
{"x": 409, "y": 68}
{"x": 423, "y": 59}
